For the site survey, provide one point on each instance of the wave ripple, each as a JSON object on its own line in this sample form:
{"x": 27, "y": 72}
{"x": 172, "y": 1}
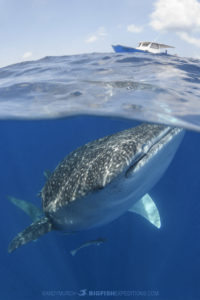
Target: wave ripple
{"x": 154, "y": 88}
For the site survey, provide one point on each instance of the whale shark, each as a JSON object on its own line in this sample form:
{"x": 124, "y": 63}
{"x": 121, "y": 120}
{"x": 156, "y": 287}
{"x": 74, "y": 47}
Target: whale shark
{"x": 101, "y": 180}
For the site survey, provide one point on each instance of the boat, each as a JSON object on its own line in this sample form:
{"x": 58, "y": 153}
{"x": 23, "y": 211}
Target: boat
{"x": 144, "y": 47}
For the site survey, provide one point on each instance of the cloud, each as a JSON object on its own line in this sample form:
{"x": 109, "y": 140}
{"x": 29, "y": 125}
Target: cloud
{"x": 189, "y": 39}
{"x": 176, "y": 15}
{"x": 92, "y": 39}
{"x": 179, "y": 16}
{"x": 27, "y": 54}
{"x": 100, "y": 33}
{"x": 134, "y": 28}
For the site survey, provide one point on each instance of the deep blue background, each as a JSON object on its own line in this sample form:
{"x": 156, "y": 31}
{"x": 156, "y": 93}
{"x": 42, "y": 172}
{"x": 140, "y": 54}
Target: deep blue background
{"x": 136, "y": 255}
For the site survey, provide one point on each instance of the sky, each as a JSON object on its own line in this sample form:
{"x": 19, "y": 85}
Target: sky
{"x": 32, "y": 29}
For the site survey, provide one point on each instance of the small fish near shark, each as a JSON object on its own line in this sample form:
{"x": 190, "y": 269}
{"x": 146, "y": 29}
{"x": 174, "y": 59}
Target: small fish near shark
{"x": 100, "y": 181}
{"x": 96, "y": 242}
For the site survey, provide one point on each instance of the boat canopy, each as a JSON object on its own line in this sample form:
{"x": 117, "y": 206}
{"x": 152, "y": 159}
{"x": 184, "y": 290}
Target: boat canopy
{"x": 154, "y": 45}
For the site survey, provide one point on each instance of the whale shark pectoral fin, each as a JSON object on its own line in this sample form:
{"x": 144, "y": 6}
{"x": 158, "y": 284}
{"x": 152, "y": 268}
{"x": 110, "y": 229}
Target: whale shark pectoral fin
{"x": 31, "y": 233}
{"x": 30, "y": 209}
{"x": 147, "y": 209}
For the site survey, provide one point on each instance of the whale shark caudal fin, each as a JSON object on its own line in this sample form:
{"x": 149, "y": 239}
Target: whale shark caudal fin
{"x": 30, "y": 209}
{"x": 147, "y": 209}
{"x": 31, "y": 233}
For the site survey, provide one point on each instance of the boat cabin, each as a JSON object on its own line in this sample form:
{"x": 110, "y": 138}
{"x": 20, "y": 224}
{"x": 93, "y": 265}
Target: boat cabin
{"x": 153, "y": 47}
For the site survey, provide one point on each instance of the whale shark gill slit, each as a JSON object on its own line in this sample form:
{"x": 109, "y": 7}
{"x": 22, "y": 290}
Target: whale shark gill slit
{"x": 138, "y": 158}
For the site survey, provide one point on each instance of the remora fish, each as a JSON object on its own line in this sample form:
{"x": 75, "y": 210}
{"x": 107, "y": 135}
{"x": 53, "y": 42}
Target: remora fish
{"x": 97, "y": 242}
{"x": 103, "y": 179}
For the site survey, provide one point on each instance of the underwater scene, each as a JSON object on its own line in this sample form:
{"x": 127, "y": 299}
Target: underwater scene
{"x": 119, "y": 218}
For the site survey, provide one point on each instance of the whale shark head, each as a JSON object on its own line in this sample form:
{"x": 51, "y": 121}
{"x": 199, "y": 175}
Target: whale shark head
{"x": 93, "y": 166}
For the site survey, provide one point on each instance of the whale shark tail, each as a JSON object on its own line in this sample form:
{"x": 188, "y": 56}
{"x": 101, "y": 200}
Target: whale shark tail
{"x": 31, "y": 233}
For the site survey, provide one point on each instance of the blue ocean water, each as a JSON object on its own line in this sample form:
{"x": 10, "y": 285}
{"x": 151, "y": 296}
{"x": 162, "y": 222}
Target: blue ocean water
{"x": 49, "y": 108}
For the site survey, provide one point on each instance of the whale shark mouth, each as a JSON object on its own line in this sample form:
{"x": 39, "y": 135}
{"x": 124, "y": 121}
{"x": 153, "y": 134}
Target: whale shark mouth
{"x": 151, "y": 149}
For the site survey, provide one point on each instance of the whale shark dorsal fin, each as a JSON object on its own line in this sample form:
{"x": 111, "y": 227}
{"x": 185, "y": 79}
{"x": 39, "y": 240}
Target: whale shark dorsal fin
{"x": 47, "y": 174}
{"x": 147, "y": 209}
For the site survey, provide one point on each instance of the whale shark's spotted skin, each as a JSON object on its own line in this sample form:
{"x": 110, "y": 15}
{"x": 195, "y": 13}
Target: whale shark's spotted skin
{"x": 103, "y": 179}
{"x": 94, "y": 165}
